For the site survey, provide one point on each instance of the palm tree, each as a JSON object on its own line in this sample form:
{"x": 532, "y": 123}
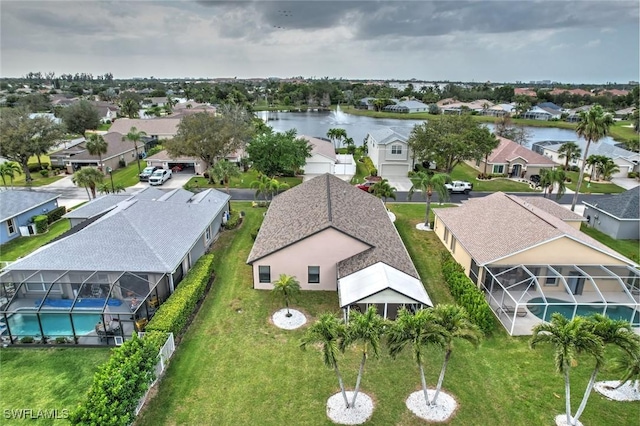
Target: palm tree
{"x": 90, "y": 178}
{"x": 613, "y": 333}
{"x": 96, "y": 145}
{"x": 129, "y": 108}
{"x": 607, "y": 169}
{"x": 262, "y": 186}
{"x": 351, "y": 145}
{"x": 427, "y": 183}
{"x": 570, "y": 151}
{"x": 383, "y": 190}
{"x": 224, "y": 171}
{"x": 336, "y": 135}
{"x": 105, "y": 188}
{"x": 593, "y": 126}
{"x": 550, "y": 178}
{"x": 454, "y": 320}
{"x": 596, "y": 162}
{"x": 9, "y": 169}
{"x": 569, "y": 338}
{"x": 627, "y": 365}
{"x": 366, "y": 329}
{"x": 417, "y": 330}
{"x": 288, "y": 287}
{"x": 134, "y": 136}
{"x": 327, "y": 331}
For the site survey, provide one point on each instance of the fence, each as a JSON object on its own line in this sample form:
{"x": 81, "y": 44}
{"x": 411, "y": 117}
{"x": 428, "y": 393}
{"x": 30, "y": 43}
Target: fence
{"x": 165, "y": 353}
{"x": 345, "y": 165}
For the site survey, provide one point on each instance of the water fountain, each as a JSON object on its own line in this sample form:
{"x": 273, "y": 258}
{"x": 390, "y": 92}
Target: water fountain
{"x": 339, "y": 117}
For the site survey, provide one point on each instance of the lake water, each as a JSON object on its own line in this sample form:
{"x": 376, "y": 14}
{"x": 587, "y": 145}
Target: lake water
{"x": 317, "y": 124}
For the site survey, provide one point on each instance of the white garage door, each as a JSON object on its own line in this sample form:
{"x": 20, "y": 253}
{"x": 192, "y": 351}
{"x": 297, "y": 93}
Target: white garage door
{"x": 401, "y": 170}
{"x": 318, "y": 168}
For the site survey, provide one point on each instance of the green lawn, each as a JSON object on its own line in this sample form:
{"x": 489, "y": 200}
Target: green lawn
{"x": 104, "y": 126}
{"x": 465, "y": 172}
{"x": 628, "y": 248}
{"x": 592, "y": 188}
{"x": 361, "y": 173}
{"x": 22, "y": 246}
{"x": 127, "y": 176}
{"x": 46, "y": 379}
{"x": 243, "y": 181}
{"x": 234, "y": 367}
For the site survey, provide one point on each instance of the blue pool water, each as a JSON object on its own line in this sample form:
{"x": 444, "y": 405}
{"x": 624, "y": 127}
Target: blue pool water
{"x": 613, "y": 312}
{"x": 52, "y": 324}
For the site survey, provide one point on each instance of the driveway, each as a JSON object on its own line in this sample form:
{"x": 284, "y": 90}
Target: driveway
{"x": 177, "y": 181}
{"x": 626, "y": 183}
{"x": 402, "y": 184}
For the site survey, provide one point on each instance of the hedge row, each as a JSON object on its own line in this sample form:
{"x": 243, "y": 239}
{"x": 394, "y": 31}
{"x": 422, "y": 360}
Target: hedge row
{"x": 467, "y": 294}
{"x": 172, "y": 315}
{"x": 120, "y": 382}
{"x": 371, "y": 169}
{"x": 56, "y": 214}
{"x": 42, "y": 223}
{"x": 37, "y": 167}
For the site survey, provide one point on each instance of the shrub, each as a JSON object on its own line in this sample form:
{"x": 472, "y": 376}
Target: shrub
{"x": 172, "y": 316}
{"x": 56, "y": 214}
{"x": 234, "y": 220}
{"x": 568, "y": 180}
{"x": 120, "y": 382}
{"x": 122, "y": 163}
{"x": 574, "y": 169}
{"x": 61, "y": 340}
{"x": 632, "y": 175}
{"x": 36, "y": 167}
{"x": 371, "y": 169}
{"x": 467, "y": 294}
{"x": 27, "y": 339}
{"x": 42, "y": 223}
{"x": 44, "y": 173}
{"x": 153, "y": 151}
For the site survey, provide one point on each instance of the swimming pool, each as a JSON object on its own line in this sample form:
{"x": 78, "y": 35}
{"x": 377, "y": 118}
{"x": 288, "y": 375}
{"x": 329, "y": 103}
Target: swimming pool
{"x": 613, "y": 312}
{"x": 53, "y": 325}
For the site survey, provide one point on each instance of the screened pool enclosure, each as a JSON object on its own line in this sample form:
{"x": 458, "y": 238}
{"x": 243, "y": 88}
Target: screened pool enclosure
{"x": 78, "y": 307}
{"x": 523, "y": 296}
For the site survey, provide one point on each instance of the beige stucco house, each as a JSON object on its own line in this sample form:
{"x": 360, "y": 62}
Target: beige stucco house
{"x": 332, "y": 236}
{"x": 530, "y": 258}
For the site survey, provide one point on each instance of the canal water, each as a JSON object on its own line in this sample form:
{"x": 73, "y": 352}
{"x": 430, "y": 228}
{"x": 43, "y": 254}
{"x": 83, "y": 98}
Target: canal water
{"x": 312, "y": 123}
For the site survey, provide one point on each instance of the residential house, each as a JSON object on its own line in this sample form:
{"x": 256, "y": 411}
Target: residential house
{"x": 577, "y": 92}
{"x": 325, "y": 160}
{"x": 332, "y": 236}
{"x": 617, "y": 216}
{"x": 163, "y": 160}
{"x": 627, "y": 161}
{"x": 500, "y": 110}
{"x": 407, "y": 107}
{"x": 530, "y": 262}
{"x": 156, "y": 128}
{"x": 389, "y": 150}
{"x": 624, "y": 114}
{"x": 541, "y": 113}
{"x": 550, "y": 105}
{"x": 102, "y": 281}
{"x": 120, "y": 152}
{"x": 525, "y": 91}
{"x": 574, "y": 114}
{"x": 49, "y": 116}
{"x": 18, "y": 207}
{"x": 513, "y": 160}
{"x": 108, "y": 111}
{"x": 479, "y": 106}
{"x": 366, "y": 103}
{"x": 151, "y": 102}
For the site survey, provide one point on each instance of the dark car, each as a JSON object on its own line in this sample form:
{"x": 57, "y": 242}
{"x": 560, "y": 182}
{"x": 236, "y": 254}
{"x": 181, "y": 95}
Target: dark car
{"x": 535, "y": 179}
{"x": 147, "y": 172}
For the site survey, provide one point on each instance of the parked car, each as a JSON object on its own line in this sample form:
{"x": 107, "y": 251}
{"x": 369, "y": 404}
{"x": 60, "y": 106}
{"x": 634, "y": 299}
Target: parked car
{"x": 535, "y": 179}
{"x": 159, "y": 177}
{"x": 147, "y": 172}
{"x": 365, "y": 186}
{"x": 459, "y": 186}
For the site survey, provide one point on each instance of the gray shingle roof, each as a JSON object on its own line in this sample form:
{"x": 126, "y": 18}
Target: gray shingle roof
{"x": 96, "y": 206}
{"x": 390, "y": 134}
{"x": 137, "y": 236}
{"x": 601, "y": 148}
{"x": 500, "y": 225}
{"x": 328, "y": 202}
{"x": 623, "y": 206}
{"x": 15, "y": 202}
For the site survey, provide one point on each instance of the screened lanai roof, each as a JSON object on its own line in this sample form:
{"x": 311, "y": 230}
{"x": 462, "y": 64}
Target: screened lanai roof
{"x": 381, "y": 283}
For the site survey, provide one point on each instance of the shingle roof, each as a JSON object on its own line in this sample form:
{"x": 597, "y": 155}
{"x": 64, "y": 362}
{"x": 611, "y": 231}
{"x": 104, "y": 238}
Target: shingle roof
{"x": 96, "y": 206}
{"x": 328, "y": 202}
{"x": 152, "y": 126}
{"x": 500, "y": 225}
{"x": 115, "y": 147}
{"x": 508, "y": 150}
{"x": 321, "y": 147}
{"x": 390, "y": 134}
{"x": 15, "y": 202}
{"x": 622, "y": 206}
{"x": 603, "y": 148}
{"x": 137, "y": 236}
{"x": 553, "y": 208}
{"x": 164, "y": 156}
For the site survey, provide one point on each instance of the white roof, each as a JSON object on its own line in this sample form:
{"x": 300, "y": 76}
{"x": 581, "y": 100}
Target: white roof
{"x": 376, "y": 280}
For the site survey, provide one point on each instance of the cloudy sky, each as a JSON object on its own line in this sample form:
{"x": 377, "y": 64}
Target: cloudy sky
{"x": 569, "y": 41}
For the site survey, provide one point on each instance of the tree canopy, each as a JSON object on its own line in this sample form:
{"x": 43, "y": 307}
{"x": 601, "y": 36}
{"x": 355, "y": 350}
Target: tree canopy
{"x": 450, "y": 140}
{"x": 80, "y": 117}
{"x": 274, "y": 153}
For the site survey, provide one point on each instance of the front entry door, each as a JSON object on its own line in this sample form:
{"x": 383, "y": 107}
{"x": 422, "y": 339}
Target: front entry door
{"x": 516, "y": 170}
{"x": 575, "y": 283}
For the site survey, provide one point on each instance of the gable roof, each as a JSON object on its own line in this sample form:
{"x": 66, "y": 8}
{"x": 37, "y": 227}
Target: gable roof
{"x": 500, "y": 225}
{"x": 321, "y": 147}
{"x": 507, "y": 150}
{"x": 115, "y": 147}
{"x": 390, "y": 134}
{"x": 151, "y": 126}
{"x": 328, "y": 202}
{"x": 553, "y": 208}
{"x": 622, "y": 206}
{"x": 138, "y": 235}
{"x": 15, "y": 202}
{"x": 602, "y": 148}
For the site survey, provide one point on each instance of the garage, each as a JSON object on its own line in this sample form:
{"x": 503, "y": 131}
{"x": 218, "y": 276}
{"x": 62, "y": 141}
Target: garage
{"x": 400, "y": 170}
{"x": 182, "y": 166}
{"x": 318, "y": 167}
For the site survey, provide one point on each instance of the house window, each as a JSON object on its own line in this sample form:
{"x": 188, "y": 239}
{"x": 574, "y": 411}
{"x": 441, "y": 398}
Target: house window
{"x": 396, "y": 149}
{"x": 551, "y": 279}
{"x": 498, "y": 168}
{"x": 453, "y": 245}
{"x": 264, "y": 273}
{"x": 314, "y": 274}
{"x": 207, "y": 234}
{"x": 11, "y": 226}
{"x": 446, "y": 235}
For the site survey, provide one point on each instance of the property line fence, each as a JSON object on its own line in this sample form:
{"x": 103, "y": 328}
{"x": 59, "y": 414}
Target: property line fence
{"x": 164, "y": 355}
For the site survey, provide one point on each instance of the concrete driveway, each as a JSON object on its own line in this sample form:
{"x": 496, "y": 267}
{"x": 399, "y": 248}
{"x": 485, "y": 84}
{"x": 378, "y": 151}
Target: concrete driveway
{"x": 402, "y": 184}
{"x": 177, "y": 181}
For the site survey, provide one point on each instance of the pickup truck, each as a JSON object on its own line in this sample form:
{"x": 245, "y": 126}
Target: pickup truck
{"x": 147, "y": 172}
{"x": 458, "y": 186}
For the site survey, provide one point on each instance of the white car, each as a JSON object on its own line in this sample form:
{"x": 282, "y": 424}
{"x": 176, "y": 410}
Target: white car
{"x": 159, "y": 177}
{"x": 458, "y": 186}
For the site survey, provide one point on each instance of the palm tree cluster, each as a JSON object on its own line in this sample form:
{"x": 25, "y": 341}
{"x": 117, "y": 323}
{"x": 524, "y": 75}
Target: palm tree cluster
{"x": 602, "y": 167}
{"x": 9, "y": 169}
{"x": 551, "y": 179}
{"x": 439, "y": 326}
{"x": 383, "y": 190}
{"x": 223, "y": 171}
{"x": 90, "y": 178}
{"x": 268, "y": 187}
{"x": 587, "y": 336}
{"x": 428, "y": 183}
{"x": 336, "y": 135}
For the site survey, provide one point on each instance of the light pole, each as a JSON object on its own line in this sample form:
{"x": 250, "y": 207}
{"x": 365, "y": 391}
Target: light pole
{"x": 110, "y": 171}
